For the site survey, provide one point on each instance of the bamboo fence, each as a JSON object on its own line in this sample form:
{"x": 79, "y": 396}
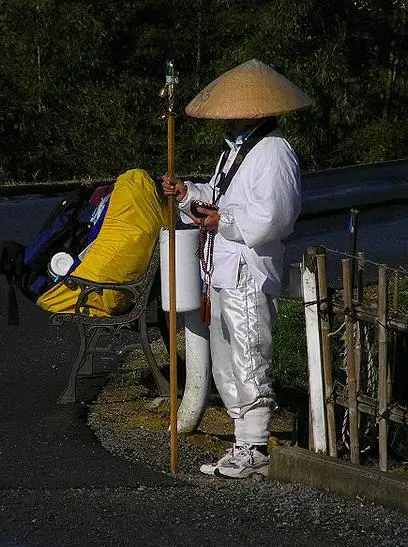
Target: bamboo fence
{"x": 362, "y": 356}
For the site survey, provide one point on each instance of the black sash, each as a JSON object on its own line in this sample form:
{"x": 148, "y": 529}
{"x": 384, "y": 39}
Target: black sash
{"x": 208, "y": 235}
{"x": 225, "y": 179}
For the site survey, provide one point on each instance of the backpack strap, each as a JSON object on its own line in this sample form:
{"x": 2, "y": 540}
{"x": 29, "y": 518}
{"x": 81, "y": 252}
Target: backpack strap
{"x": 13, "y": 317}
{"x": 11, "y": 265}
{"x": 225, "y": 179}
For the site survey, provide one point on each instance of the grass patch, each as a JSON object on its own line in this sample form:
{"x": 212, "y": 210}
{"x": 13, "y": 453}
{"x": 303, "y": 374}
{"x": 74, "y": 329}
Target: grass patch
{"x": 129, "y": 401}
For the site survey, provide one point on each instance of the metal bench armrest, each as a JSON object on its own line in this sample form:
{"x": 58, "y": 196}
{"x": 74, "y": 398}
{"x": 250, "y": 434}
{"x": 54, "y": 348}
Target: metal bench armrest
{"x": 140, "y": 291}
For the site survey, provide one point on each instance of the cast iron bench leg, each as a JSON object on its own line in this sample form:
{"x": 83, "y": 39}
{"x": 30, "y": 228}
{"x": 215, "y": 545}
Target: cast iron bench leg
{"x": 69, "y": 394}
{"x": 162, "y": 384}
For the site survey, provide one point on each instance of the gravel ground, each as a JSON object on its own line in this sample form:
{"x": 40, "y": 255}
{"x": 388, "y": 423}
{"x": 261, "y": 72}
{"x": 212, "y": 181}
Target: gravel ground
{"x": 205, "y": 510}
{"x": 189, "y": 510}
{"x": 216, "y": 513}
{"x": 202, "y": 510}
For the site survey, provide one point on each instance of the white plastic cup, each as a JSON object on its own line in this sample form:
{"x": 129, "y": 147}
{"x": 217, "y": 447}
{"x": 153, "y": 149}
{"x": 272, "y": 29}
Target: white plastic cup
{"x": 59, "y": 265}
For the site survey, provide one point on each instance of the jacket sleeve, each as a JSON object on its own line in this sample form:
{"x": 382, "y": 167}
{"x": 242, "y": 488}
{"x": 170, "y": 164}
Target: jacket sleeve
{"x": 272, "y": 198}
{"x": 194, "y": 192}
{"x": 199, "y": 191}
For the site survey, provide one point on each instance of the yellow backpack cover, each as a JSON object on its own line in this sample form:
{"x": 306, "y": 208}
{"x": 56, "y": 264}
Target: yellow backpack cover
{"x": 122, "y": 249}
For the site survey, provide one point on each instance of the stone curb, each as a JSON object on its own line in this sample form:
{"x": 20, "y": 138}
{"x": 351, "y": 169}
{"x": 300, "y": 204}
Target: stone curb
{"x": 293, "y": 464}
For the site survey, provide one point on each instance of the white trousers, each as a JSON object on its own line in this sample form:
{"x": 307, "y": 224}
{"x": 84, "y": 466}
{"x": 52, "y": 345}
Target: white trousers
{"x": 241, "y": 351}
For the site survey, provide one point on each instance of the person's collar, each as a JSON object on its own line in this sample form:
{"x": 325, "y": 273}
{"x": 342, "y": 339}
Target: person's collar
{"x": 234, "y": 145}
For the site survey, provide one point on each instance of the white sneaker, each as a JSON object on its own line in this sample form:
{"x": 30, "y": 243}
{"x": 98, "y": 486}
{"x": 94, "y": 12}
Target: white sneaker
{"x": 247, "y": 461}
{"x": 209, "y": 468}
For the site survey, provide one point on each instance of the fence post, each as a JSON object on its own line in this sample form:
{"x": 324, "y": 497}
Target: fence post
{"x": 358, "y": 326}
{"x": 382, "y": 368}
{"x": 318, "y": 438}
{"x": 351, "y": 362}
{"x": 326, "y": 353}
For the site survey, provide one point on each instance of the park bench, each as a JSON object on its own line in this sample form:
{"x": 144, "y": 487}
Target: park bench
{"x": 143, "y": 313}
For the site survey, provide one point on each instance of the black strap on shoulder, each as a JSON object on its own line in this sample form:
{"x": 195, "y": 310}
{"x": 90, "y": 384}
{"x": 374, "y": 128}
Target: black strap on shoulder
{"x": 225, "y": 179}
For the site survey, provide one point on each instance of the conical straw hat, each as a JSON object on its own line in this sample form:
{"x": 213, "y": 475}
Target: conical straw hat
{"x": 250, "y": 90}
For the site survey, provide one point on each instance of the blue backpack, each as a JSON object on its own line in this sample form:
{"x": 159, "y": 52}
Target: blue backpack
{"x": 67, "y": 228}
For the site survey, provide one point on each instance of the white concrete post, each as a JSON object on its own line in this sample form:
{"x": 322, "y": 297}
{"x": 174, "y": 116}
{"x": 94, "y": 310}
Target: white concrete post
{"x": 198, "y": 373}
{"x": 314, "y": 356}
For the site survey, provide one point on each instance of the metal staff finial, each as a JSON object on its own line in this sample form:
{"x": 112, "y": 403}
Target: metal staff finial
{"x": 168, "y": 90}
{"x": 168, "y": 93}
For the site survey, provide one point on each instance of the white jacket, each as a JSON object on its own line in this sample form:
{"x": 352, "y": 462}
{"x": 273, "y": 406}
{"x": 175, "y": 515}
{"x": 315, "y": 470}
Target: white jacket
{"x": 258, "y": 212}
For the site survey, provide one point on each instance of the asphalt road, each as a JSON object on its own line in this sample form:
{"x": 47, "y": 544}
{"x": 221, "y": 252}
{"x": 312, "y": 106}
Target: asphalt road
{"x": 381, "y": 232}
{"x": 45, "y": 445}
{"x": 59, "y": 487}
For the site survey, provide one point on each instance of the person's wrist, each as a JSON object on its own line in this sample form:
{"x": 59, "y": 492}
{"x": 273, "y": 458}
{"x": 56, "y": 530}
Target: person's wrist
{"x": 182, "y": 194}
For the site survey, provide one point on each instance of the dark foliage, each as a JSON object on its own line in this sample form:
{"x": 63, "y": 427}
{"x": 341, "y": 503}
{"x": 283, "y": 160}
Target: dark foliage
{"x": 79, "y": 80}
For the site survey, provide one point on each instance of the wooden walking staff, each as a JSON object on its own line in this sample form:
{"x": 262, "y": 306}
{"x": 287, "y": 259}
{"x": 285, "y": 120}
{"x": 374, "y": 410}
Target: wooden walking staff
{"x": 168, "y": 93}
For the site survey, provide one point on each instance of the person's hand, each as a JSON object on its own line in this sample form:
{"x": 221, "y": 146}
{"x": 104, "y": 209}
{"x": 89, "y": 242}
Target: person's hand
{"x": 174, "y": 187}
{"x": 210, "y": 221}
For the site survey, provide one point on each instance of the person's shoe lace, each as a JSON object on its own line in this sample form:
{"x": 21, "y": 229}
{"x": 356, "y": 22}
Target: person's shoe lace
{"x": 209, "y": 468}
{"x": 246, "y": 461}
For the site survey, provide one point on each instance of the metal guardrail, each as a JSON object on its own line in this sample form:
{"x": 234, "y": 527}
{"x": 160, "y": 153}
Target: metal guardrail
{"x": 356, "y": 186}
{"x": 322, "y": 191}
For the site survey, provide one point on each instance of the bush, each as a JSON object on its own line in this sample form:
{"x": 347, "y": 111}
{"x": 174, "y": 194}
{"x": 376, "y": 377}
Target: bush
{"x": 289, "y": 363}
{"x": 379, "y": 141}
